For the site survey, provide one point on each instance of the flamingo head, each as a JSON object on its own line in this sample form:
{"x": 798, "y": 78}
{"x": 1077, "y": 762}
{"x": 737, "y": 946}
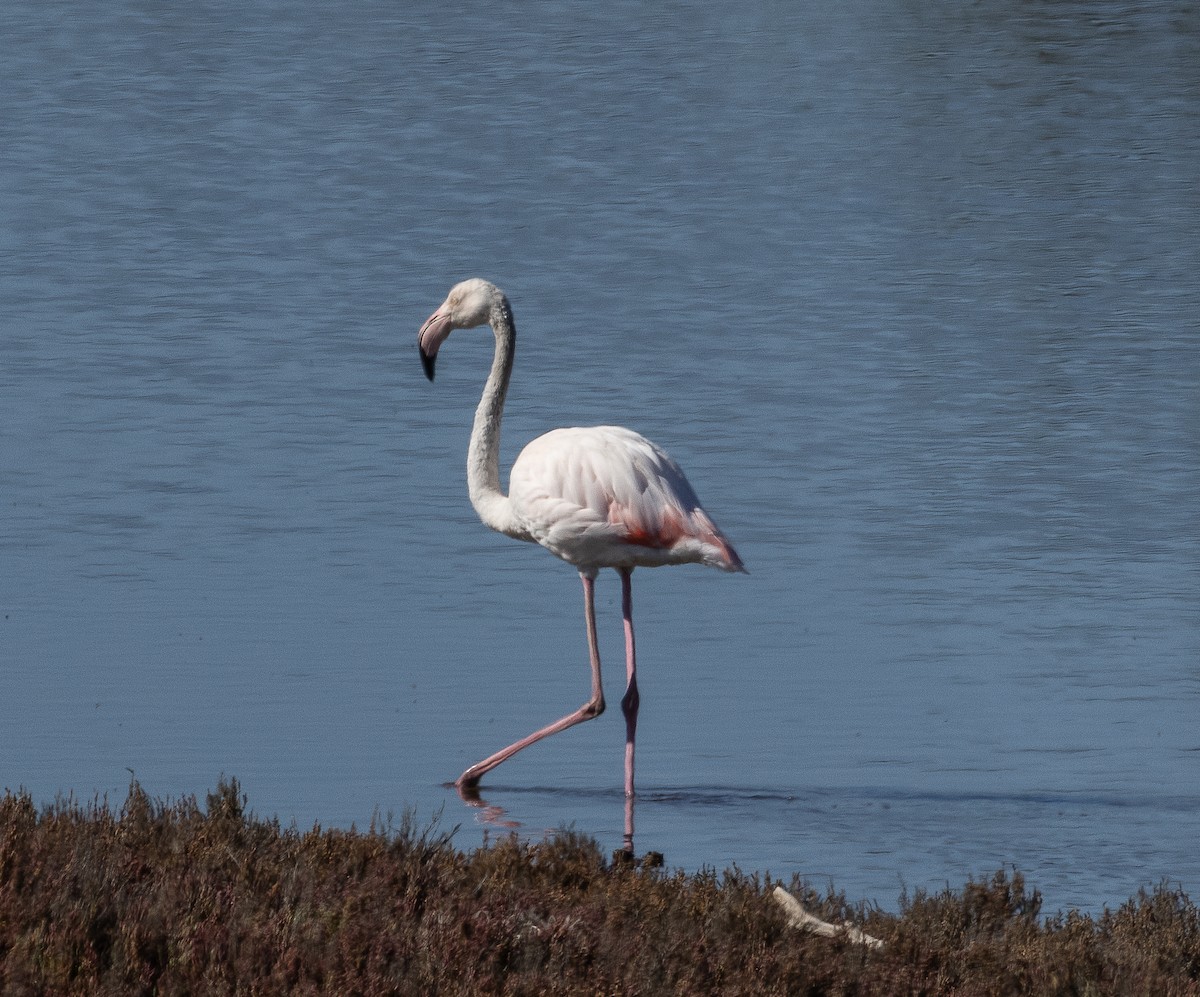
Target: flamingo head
{"x": 471, "y": 303}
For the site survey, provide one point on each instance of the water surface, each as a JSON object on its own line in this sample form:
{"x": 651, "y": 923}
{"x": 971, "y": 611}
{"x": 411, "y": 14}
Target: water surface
{"x": 909, "y": 290}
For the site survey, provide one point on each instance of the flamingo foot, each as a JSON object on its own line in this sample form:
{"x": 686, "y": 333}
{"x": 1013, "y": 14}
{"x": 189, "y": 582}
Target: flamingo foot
{"x": 468, "y": 787}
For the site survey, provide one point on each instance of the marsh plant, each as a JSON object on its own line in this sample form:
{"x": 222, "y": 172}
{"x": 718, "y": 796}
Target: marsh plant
{"x": 185, "y": 898}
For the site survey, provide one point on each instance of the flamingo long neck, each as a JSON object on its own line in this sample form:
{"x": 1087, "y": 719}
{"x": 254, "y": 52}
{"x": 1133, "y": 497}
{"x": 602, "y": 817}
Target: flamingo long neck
{"x": 483, "y": 454}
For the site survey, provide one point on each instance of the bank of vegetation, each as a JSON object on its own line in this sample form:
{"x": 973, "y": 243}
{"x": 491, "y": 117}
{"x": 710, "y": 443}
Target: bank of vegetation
{"x": 192, "y": 898}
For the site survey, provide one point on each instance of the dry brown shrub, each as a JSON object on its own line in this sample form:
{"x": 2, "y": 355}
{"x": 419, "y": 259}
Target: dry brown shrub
{"x": 184, "y": 899}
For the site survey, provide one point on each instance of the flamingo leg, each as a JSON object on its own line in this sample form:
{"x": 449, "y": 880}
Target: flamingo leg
{"x": 592, "y": 708}
{"x": 630, "y": 701}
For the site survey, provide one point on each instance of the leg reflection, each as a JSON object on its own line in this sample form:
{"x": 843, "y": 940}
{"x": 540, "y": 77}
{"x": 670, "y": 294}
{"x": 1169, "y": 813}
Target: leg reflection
{"x": 627, "y": 845}
{"x": 496, "y": 816}
{"x": 490, "y": 814}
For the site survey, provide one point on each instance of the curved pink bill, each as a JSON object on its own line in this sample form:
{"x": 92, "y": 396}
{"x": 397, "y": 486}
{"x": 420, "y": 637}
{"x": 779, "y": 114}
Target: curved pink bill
{"x": 433, "y": 333}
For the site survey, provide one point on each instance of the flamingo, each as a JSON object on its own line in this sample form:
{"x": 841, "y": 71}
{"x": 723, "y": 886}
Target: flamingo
{"x": 597, "y": 497}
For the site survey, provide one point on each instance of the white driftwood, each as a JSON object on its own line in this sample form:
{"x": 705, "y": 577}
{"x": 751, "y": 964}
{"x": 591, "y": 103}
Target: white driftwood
{"x": 798, "y": 917}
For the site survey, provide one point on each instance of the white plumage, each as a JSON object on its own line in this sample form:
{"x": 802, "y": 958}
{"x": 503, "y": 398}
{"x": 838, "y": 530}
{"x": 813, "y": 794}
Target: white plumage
{"x": 605, "y": 496}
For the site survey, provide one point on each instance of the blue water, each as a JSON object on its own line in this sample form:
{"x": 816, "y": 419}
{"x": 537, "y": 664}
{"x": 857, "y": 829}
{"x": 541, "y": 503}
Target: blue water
{"x": 909, "y": 291}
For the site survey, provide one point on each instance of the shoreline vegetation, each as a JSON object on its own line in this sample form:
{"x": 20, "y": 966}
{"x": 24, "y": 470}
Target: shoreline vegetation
{"x": 184, "y": 898}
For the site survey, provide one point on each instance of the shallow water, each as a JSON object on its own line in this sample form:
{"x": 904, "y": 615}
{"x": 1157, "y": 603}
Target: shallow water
{"x": 910, "y": 293}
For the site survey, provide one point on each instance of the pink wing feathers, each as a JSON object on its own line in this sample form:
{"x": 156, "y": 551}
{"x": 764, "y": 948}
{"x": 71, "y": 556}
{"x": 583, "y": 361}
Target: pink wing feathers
{"x": 605, "y": 496}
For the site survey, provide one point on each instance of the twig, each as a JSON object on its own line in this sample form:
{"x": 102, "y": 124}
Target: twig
{"x": 798, "y": 917}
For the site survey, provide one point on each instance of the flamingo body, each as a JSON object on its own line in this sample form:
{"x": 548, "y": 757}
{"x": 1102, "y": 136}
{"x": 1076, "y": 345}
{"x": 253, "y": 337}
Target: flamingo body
{"x": 606, "y": 497}
{"x": 597, "y": 497}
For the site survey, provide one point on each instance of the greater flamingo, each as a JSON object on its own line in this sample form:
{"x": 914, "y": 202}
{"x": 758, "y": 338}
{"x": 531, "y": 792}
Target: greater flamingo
{"x": 598, "y": 497}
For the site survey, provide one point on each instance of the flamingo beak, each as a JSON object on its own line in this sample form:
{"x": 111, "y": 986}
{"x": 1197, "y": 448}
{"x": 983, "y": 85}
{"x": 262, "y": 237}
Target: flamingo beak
{"x": 433, "y": 333}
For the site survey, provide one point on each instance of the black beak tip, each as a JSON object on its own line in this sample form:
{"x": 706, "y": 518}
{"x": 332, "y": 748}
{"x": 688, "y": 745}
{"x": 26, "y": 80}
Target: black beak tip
{"x": 427, "y": 363}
